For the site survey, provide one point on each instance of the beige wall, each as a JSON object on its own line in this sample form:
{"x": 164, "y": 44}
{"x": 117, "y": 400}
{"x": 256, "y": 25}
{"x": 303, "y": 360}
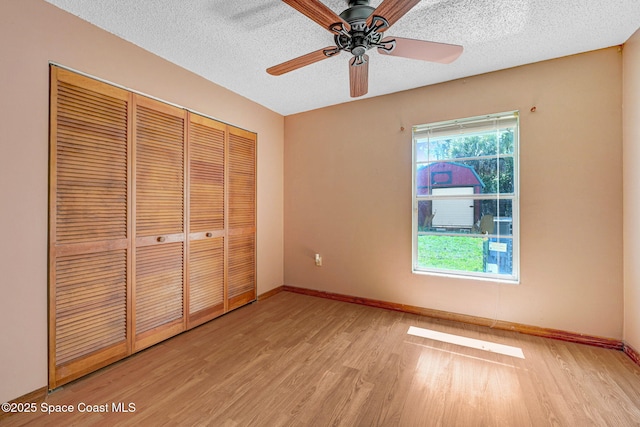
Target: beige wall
{"x": 631, "y": 166}
{"x": 348, "y": 195}
{"x": 32, "y": 33}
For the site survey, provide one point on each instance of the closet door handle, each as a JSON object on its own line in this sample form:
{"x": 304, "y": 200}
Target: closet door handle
{"x": 209, "y": 234}
{"x": 161, "y": 239}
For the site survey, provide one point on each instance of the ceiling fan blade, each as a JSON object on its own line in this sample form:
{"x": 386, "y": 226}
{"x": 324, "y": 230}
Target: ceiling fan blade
{"x": 317, "y": 12}
{"x": 302, "y": 61}
{"x": 359, "y": 76}
{"x": 423, "y": 50}
{"x": 392, "y": 10}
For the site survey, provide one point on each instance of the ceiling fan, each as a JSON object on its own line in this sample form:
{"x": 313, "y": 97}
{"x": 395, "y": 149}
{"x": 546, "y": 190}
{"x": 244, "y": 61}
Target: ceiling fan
{"x": 360, "y": 28}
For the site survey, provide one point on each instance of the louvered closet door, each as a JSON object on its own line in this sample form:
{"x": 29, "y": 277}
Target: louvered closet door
{"x": 207, "y": 140}
{"x": 158, "y": 290}
{"x": 89, "y": 226}
{"x": 241, "y": 264}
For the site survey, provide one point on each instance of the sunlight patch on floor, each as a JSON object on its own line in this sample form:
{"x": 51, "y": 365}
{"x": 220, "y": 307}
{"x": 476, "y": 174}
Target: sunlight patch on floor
{"x": 467, "y": 356}
{"x": 466, "y": 342}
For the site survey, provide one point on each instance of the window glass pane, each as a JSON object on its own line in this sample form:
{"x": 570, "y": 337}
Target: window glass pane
{"x": 506, "y": 172}
{"x": 495, "y": 217}
{"x": 434, "y": 177}
{"x": 466, "y": 253}
{"x": 423, "y": 180}
{"x": 498, "y": 255}
{"x": 483, "y": 176}
{"x": 473, "y": 146}
{"x": 456, "y": 147}
{"x": 454, "y": 214}
{"x": 425, "y": 215}
{"x": 494, "y": 175}
{"x": 466, "y": 216}
{"x": 453, "y": 253}
{"x": 422, "y": 151}
{"x": 506, "y": 141}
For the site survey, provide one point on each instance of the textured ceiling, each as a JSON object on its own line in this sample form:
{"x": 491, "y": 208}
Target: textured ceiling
{"x": 231, "y": 43}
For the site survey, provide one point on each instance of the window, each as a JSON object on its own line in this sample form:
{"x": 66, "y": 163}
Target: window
{"x": 465, "y": 189}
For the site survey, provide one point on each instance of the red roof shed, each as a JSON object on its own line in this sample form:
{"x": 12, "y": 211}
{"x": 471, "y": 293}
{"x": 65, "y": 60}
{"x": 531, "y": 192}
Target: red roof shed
{"x": 447, "y": 174}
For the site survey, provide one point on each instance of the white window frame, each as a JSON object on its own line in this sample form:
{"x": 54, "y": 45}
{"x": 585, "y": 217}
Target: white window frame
{"x": 418, "y": 133}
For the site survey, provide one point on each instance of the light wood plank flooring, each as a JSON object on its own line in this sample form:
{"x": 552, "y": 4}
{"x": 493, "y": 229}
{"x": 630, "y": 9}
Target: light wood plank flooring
{"x": 298, "y": 360}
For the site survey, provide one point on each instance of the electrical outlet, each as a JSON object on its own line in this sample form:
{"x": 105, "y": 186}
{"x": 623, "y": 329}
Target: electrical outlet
{"x": 318, "y": 260}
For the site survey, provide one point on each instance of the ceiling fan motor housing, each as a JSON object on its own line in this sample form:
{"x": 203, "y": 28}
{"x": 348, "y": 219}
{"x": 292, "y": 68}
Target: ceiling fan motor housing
{"x": 359, "y": 10}
{"x": 360, "y": 37}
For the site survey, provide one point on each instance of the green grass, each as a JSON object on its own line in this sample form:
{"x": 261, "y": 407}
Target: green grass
{"x": 459, "y": 253}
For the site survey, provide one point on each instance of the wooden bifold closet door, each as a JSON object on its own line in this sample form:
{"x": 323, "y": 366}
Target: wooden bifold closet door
{"x": 89, "y": 250}
{"x": 151, "y": 222}
{"x": 159, "y": 202}
{"x": 207, "y": 142}
{"x": 242, "y": 218}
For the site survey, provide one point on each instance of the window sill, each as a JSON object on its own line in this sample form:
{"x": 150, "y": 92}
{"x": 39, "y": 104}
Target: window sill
{"x": 488, "y": 278}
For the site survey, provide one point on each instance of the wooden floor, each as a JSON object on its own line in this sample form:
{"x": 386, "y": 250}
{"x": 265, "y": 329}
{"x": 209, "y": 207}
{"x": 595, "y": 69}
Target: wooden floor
{"x": 305, "y": 361}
